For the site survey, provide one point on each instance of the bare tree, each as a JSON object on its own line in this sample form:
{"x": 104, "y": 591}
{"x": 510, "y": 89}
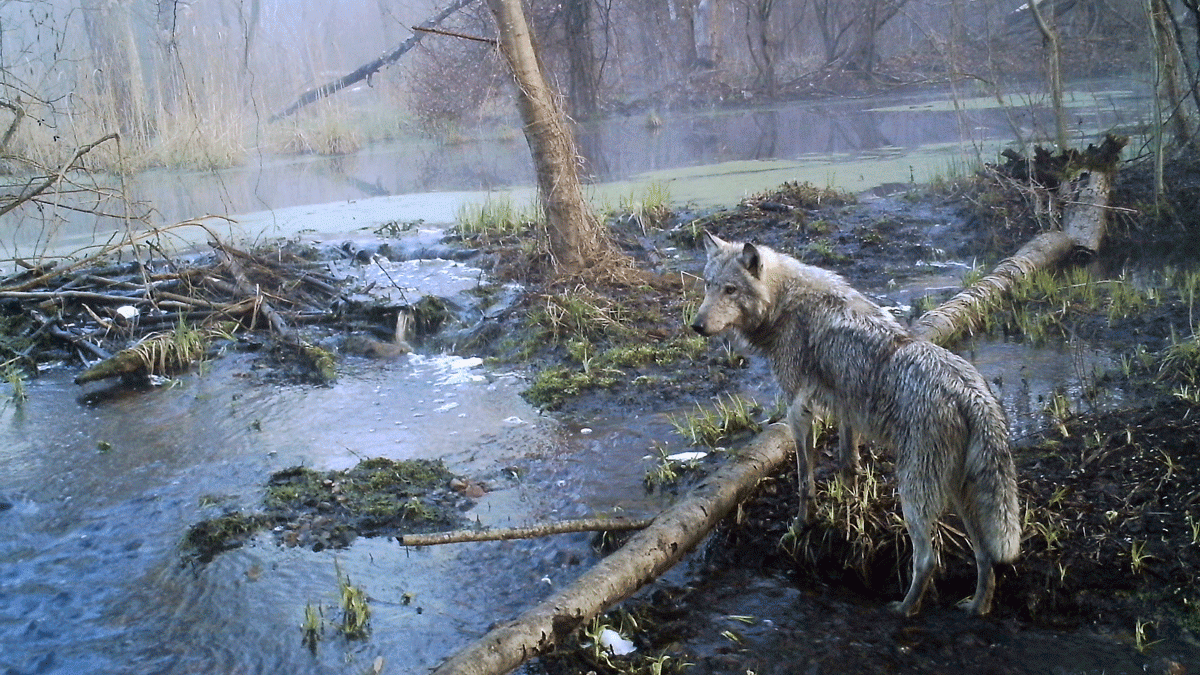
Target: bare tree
{"x": 850, "y": 30}
{"x": 763, "y": 46}
{"x": 705, "y": 29}
{"x": 577, "y": 239}
{"x": 583, "y": 74}
{"x": 1053, "y": 47}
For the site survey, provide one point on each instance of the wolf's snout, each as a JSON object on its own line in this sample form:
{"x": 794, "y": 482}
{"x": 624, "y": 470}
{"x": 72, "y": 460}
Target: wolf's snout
{"x": 698, "y": 326}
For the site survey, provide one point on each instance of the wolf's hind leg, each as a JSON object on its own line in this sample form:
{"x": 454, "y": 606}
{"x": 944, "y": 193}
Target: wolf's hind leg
{"x": 985, "y": 583}
{"x": 800, "y": 418}
{"x": 924, "y": 559}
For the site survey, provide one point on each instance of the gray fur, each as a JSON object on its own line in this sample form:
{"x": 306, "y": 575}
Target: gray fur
{"x": 834, "y": 351}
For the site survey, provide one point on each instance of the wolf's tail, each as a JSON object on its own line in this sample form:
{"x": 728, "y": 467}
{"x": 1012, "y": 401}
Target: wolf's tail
{"x": 989, "y": 489}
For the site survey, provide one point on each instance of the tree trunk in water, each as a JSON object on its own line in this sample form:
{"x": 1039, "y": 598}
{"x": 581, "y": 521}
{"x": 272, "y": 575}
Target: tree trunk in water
{"x": 646, "y": 556}
{"x": 576, "y": 236}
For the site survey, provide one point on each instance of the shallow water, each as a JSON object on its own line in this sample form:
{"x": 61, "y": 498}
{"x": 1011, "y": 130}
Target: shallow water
{"x": 92, "y": 579}
{"x": 706, "y": 158}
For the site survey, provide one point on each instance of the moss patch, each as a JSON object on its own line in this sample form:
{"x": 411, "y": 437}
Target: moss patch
{"x": 378, "y": 497}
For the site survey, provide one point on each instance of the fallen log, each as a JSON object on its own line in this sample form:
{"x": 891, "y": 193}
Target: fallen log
{"x": 644, "y": 557}
{"x": 1084, "y": 222}
{"x": 365, "y": 71}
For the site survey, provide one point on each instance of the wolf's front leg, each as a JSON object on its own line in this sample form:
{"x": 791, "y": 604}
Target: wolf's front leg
{"x": 847, "y": 449}
{"x": 800, "y": 419}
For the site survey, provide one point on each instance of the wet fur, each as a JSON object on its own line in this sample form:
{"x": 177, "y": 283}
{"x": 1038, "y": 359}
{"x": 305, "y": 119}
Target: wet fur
{"x": 834, "y": 351}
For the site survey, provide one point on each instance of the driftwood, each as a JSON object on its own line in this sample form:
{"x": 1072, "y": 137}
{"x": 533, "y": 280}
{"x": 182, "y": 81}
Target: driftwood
{"x": 365, "y": 71}
{"x": 545, "y": 529}
{"x": 679, "y": 529}
{"x": 647, "y": 555}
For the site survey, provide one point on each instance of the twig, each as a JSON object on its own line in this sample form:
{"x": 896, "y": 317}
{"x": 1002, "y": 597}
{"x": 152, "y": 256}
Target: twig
{"x": 50, "y": 180}
{"x": 545, "y": 529}
{"x": 450, "y": 33}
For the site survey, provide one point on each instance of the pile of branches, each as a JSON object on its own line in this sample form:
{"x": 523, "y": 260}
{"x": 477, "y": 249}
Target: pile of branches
{"x": 154, "y": 315}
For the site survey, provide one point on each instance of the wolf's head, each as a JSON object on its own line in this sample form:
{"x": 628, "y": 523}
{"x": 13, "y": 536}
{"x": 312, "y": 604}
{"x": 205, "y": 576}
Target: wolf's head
{"x": 734, "y": 294}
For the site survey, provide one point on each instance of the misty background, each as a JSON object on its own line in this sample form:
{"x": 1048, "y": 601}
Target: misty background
{"x": 98, "y": 92}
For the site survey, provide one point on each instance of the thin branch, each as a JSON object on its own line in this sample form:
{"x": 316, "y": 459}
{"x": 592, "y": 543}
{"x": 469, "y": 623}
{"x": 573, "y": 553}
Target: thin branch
{"x": 450, "y": 33}
{"x": 55, "y": 177}
{"x": 545, "y": 529}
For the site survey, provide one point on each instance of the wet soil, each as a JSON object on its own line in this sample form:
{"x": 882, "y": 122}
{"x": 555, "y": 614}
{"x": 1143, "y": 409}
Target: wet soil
{"x": 319, "y": 510}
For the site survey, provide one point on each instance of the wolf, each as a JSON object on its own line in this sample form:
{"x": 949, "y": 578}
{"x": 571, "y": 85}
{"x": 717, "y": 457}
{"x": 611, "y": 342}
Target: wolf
{"x": 833, "y": 351}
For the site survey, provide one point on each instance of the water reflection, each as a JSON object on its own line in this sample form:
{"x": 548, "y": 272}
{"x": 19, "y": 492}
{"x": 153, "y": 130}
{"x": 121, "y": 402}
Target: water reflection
{"x": 711, "y": 157}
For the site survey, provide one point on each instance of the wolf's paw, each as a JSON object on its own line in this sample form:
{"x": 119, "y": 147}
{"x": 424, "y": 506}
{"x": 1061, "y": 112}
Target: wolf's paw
{"x": 800, "y": 525}
{"x": 970, "y": 606}
{"x": 897, "y": 607}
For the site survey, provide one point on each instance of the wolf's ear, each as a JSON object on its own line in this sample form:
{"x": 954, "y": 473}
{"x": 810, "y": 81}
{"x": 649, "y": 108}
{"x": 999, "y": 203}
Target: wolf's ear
{"x": 751, "y": 260}
{"x": 712, "y": 243}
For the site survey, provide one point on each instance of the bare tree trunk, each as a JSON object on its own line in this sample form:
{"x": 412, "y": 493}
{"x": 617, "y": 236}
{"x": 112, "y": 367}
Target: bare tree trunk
{"x": 582, "y": 74}
{"x": 763, "y": 48}
{"x": 704, "y": 33}
{"x": 1170, "y": 99}
{"x": 1053, "y": 42}
{"x": 576, "y": 236}
{"x": 850, "y": 30}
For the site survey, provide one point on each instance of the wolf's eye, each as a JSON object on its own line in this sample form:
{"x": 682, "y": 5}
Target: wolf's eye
{"x": 730, "y": 289}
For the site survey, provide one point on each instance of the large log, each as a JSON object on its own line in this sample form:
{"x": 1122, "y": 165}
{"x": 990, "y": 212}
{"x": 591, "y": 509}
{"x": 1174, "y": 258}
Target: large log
{"x": 365, "y": 71}
{"x": 647, "y": 555}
